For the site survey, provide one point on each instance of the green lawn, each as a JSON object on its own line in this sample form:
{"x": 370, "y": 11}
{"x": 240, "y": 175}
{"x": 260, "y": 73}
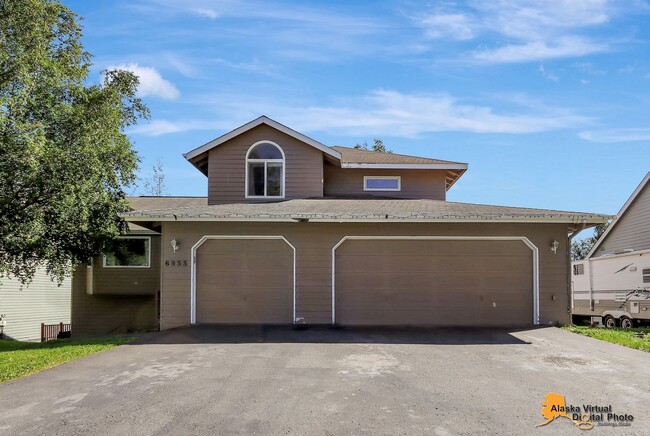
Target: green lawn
{"x": 18, "y": 359}
{"x": 626, "y": 337}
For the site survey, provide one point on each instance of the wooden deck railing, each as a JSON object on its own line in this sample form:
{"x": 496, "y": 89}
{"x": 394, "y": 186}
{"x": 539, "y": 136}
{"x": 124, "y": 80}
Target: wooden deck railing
{"x": 55, "y": 331}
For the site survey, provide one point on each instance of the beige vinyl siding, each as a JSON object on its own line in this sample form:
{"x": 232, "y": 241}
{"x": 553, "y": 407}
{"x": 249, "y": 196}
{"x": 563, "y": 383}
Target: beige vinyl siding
{"x": 314, "y": 242}
{"x": 632, "y": 230}
{"x": 129, "y": 281}
{"x": 42, "y": 301}
{"x": 227, "y": 167}
{"x": 94, "y": 315}
{"x": 421, "y": 184}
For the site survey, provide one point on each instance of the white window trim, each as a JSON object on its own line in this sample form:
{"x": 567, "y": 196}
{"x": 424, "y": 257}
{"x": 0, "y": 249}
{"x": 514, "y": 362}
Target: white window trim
{"x": 366, "y": 178}
{"x": 522, "y": 239}
{"x": 130, "y": 266}
{"x": 284, "y": 172}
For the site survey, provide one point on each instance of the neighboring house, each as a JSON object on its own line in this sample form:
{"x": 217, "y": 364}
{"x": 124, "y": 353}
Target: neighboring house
{"x": 293, "y": 231}
{"x": 24, "y": 308}
{"x": 613, "y": 281}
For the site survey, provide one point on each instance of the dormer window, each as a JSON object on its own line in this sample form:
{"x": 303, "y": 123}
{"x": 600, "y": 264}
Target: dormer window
{"x": 265, "y": 171}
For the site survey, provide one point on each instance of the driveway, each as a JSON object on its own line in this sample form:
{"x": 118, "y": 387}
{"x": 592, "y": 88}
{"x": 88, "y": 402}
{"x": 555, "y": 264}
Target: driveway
{"x": 267, "y": 381}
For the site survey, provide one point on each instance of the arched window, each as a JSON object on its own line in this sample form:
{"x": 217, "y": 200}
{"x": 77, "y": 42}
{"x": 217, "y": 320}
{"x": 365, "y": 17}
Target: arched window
{"x": 265, "y": 170}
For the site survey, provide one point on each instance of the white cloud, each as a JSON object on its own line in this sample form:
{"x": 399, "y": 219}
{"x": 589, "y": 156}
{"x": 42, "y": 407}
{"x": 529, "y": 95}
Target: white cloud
{"x": 528, "y": 30}
{"x": 547, "y": 74}
{"x": 151, "y": 82}
{"x": 440, "y": 25}
{"x": 205, "y": 12}
{"x": 539, "y": 50}
{"x": 385, "y": 113}
{"x": 165, "y": 127}
{"x": 616, "y": 135}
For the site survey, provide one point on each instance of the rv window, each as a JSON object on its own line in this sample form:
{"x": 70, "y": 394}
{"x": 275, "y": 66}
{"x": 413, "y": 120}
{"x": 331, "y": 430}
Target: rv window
{"x": 579, "y": 269}
{"x": 646, "y": 276}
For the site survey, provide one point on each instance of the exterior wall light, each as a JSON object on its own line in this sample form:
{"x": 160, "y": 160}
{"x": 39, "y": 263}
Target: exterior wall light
{"x": 175, "y": 245}
{"x": 554, "y": 246}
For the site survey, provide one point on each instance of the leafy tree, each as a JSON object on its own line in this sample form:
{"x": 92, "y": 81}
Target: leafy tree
{"x": 155, "y": 185}
{"x": 581, "y": 248}
{"x": 377, "y": 146}
{"x": 64, "y": 157}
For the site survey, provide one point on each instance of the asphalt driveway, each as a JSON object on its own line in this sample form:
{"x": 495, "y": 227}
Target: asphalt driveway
{"x": 267, "y": 381}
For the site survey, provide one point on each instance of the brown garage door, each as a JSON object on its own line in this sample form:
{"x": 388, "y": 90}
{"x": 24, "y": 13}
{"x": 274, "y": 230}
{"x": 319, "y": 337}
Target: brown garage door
{"x": 244, "y": 281}
{"x": 399, "y": 282}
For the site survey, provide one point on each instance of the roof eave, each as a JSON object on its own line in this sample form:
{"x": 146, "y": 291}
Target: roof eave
{"x": 375, "y": 219}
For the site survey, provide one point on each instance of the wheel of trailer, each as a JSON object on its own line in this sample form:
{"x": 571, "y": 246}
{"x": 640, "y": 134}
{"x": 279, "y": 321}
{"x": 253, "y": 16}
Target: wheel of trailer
{"x": 610, "y": 322}
{"x": 626, "y": 322}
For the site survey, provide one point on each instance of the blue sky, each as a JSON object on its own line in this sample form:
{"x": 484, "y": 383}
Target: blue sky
{"x": 548, "y": 101}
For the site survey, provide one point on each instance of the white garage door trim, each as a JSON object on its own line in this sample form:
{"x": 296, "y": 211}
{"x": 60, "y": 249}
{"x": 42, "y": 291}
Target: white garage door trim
{"x": 523, "y": 239}
{"x": 212, "y": 237}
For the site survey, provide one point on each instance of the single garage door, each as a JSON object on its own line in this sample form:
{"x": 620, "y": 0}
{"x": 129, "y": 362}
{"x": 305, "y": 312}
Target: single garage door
{"x": 244, "y": 281}
{"x": 433, "y": 282}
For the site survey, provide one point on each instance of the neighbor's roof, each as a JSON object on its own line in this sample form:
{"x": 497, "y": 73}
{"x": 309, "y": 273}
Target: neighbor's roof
{"x": 620, "y": 214}
{"x": 349, "y": 210}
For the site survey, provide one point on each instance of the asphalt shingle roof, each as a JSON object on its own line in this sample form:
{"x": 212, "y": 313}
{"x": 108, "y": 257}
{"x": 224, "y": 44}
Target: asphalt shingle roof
{"x": 356, "y": 209}
{"x": 358, "y": 156}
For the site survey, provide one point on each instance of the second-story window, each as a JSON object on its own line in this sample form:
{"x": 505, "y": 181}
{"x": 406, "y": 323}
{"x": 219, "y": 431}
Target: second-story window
{"x": 265, "y": 170}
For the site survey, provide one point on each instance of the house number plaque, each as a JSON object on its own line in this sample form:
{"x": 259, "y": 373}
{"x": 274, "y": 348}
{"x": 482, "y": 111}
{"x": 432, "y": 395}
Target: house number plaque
{"x": 176, "y": 263}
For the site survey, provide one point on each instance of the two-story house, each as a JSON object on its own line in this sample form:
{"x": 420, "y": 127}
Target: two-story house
{"x": 294, "y": 231}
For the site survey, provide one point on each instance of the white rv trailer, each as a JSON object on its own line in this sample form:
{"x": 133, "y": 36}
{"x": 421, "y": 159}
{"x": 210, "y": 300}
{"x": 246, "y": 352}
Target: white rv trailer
{"x": 613, "y": 282}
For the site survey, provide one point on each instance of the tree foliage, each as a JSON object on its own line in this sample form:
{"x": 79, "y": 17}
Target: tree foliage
{"x": 64, "y": 157}
{"x": 581, "y": 248}
{"x": 378, "y": 145}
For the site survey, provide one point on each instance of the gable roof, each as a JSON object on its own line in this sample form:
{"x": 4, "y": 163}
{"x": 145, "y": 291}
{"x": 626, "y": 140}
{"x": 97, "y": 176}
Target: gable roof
{"x": 621, "y": 213}
{"x": 198, "y": 156}
{"x": 352, "y": 210}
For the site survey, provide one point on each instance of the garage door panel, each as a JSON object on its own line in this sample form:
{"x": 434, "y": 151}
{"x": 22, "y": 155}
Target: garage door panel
{"x": 244, "y": 282}
{"x": 245, "y": 262}
{"x": 430, "y": 263}
{"x": 433, "y": 283}
{"x": 433, "y": 247}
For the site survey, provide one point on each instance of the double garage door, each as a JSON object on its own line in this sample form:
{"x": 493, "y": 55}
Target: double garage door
{"x": 376, "y": 282}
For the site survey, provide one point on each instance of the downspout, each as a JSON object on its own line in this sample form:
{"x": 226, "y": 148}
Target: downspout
{"x": 568, "y": 263}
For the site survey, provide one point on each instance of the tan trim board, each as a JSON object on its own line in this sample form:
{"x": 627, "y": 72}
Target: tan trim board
{"x": 523, "y": 239}
{"x": 205, "y": 238}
